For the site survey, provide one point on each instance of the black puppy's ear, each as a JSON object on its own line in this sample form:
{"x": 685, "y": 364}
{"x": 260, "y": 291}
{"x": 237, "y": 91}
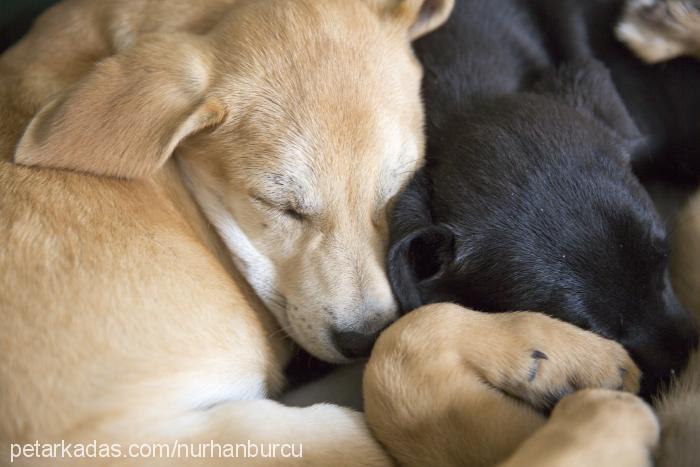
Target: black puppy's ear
{"x": 416, "y": 260}
{"x": 420, "y": 250}
{"x": 587, "y": 86}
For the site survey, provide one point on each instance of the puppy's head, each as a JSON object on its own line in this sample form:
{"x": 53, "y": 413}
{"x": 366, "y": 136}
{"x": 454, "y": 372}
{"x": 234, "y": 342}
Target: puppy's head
{"x": 295, "y": 123}
{"x": 529, "y": 204}
{"x": 659, "y": 30}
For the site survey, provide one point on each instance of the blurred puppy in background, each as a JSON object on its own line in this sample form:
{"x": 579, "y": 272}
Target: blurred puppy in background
{"x": 658, "y": 31}
{"x": 679, "y": 408}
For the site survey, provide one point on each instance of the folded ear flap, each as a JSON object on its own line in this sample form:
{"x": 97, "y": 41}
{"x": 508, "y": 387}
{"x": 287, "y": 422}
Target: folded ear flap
{"x": 127, "y": 117}
{"x": 420, "y": 251}
{"x": 587, "y": 86}
{"x": 418, "y": 260}
{"x": 418, "y": 16}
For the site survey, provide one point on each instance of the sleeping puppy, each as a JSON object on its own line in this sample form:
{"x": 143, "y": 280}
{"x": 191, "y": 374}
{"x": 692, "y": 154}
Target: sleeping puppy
{"x": 226, "y": 169}
{"x": 528, "y": 200}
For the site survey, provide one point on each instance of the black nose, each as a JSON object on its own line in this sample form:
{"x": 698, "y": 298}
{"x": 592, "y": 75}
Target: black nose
{"x": 354, "y": 344}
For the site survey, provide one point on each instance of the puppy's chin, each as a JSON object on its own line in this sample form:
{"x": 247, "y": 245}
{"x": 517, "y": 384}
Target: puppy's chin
{"x": 319, "y": 347}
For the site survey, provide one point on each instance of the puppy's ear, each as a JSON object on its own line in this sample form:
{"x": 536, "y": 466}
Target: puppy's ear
{"x": 127, "y": 117}
{"x": 587, "y": 86}
{"x": 420, "y": 251}
{"x": 417, "y": 261}
{"x": 418, "y": 16}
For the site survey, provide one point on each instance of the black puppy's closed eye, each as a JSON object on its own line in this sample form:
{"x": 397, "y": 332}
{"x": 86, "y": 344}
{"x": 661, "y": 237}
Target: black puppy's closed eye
{"x": 419, "y": 258}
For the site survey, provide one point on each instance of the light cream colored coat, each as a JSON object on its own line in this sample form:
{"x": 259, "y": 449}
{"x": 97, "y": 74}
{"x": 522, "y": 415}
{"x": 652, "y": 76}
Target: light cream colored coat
{"x": 123, "y": 317}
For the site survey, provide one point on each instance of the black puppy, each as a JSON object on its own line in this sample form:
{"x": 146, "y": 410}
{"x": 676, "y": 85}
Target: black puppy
{"x": 528, "y": 200}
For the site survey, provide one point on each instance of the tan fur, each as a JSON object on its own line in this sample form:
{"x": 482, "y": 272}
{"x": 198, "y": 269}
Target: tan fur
{"x": 124, "y": 318}
{"x": 659, "y": 30}
{"x": 450, "y": 386}
{"x": 685, "y": 261}
{"x": 679, "y": 408}
{"x": 593, "y": 427}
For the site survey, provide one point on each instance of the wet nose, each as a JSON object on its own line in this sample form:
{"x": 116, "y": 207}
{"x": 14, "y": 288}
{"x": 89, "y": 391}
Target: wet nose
{"x": 355, "y": 330}
{"x": 354, "y": 344}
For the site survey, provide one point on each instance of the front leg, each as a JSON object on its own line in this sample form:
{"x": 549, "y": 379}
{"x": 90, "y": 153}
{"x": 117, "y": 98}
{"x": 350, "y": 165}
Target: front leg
{"x": 451, "y": 386}
{"x": 594, "y": 427}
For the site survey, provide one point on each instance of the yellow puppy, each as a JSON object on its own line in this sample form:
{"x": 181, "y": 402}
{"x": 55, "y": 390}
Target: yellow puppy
{"x": 123, "y": 318}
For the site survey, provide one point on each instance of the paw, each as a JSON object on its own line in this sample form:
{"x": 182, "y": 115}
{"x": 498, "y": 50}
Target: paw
{"x": 610, "y": 414}
{"x": 658, "y": 30}
{"x": 548, "y": 359}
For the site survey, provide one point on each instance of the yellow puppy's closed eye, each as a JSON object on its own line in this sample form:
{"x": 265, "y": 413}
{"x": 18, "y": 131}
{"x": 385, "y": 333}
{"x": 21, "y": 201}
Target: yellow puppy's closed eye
{"x": 287, "y": 210}
{"x": 294, "y": 214}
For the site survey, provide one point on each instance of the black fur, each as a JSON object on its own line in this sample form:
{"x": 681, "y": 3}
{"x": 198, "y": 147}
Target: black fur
{"x": 536, "y": 116}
